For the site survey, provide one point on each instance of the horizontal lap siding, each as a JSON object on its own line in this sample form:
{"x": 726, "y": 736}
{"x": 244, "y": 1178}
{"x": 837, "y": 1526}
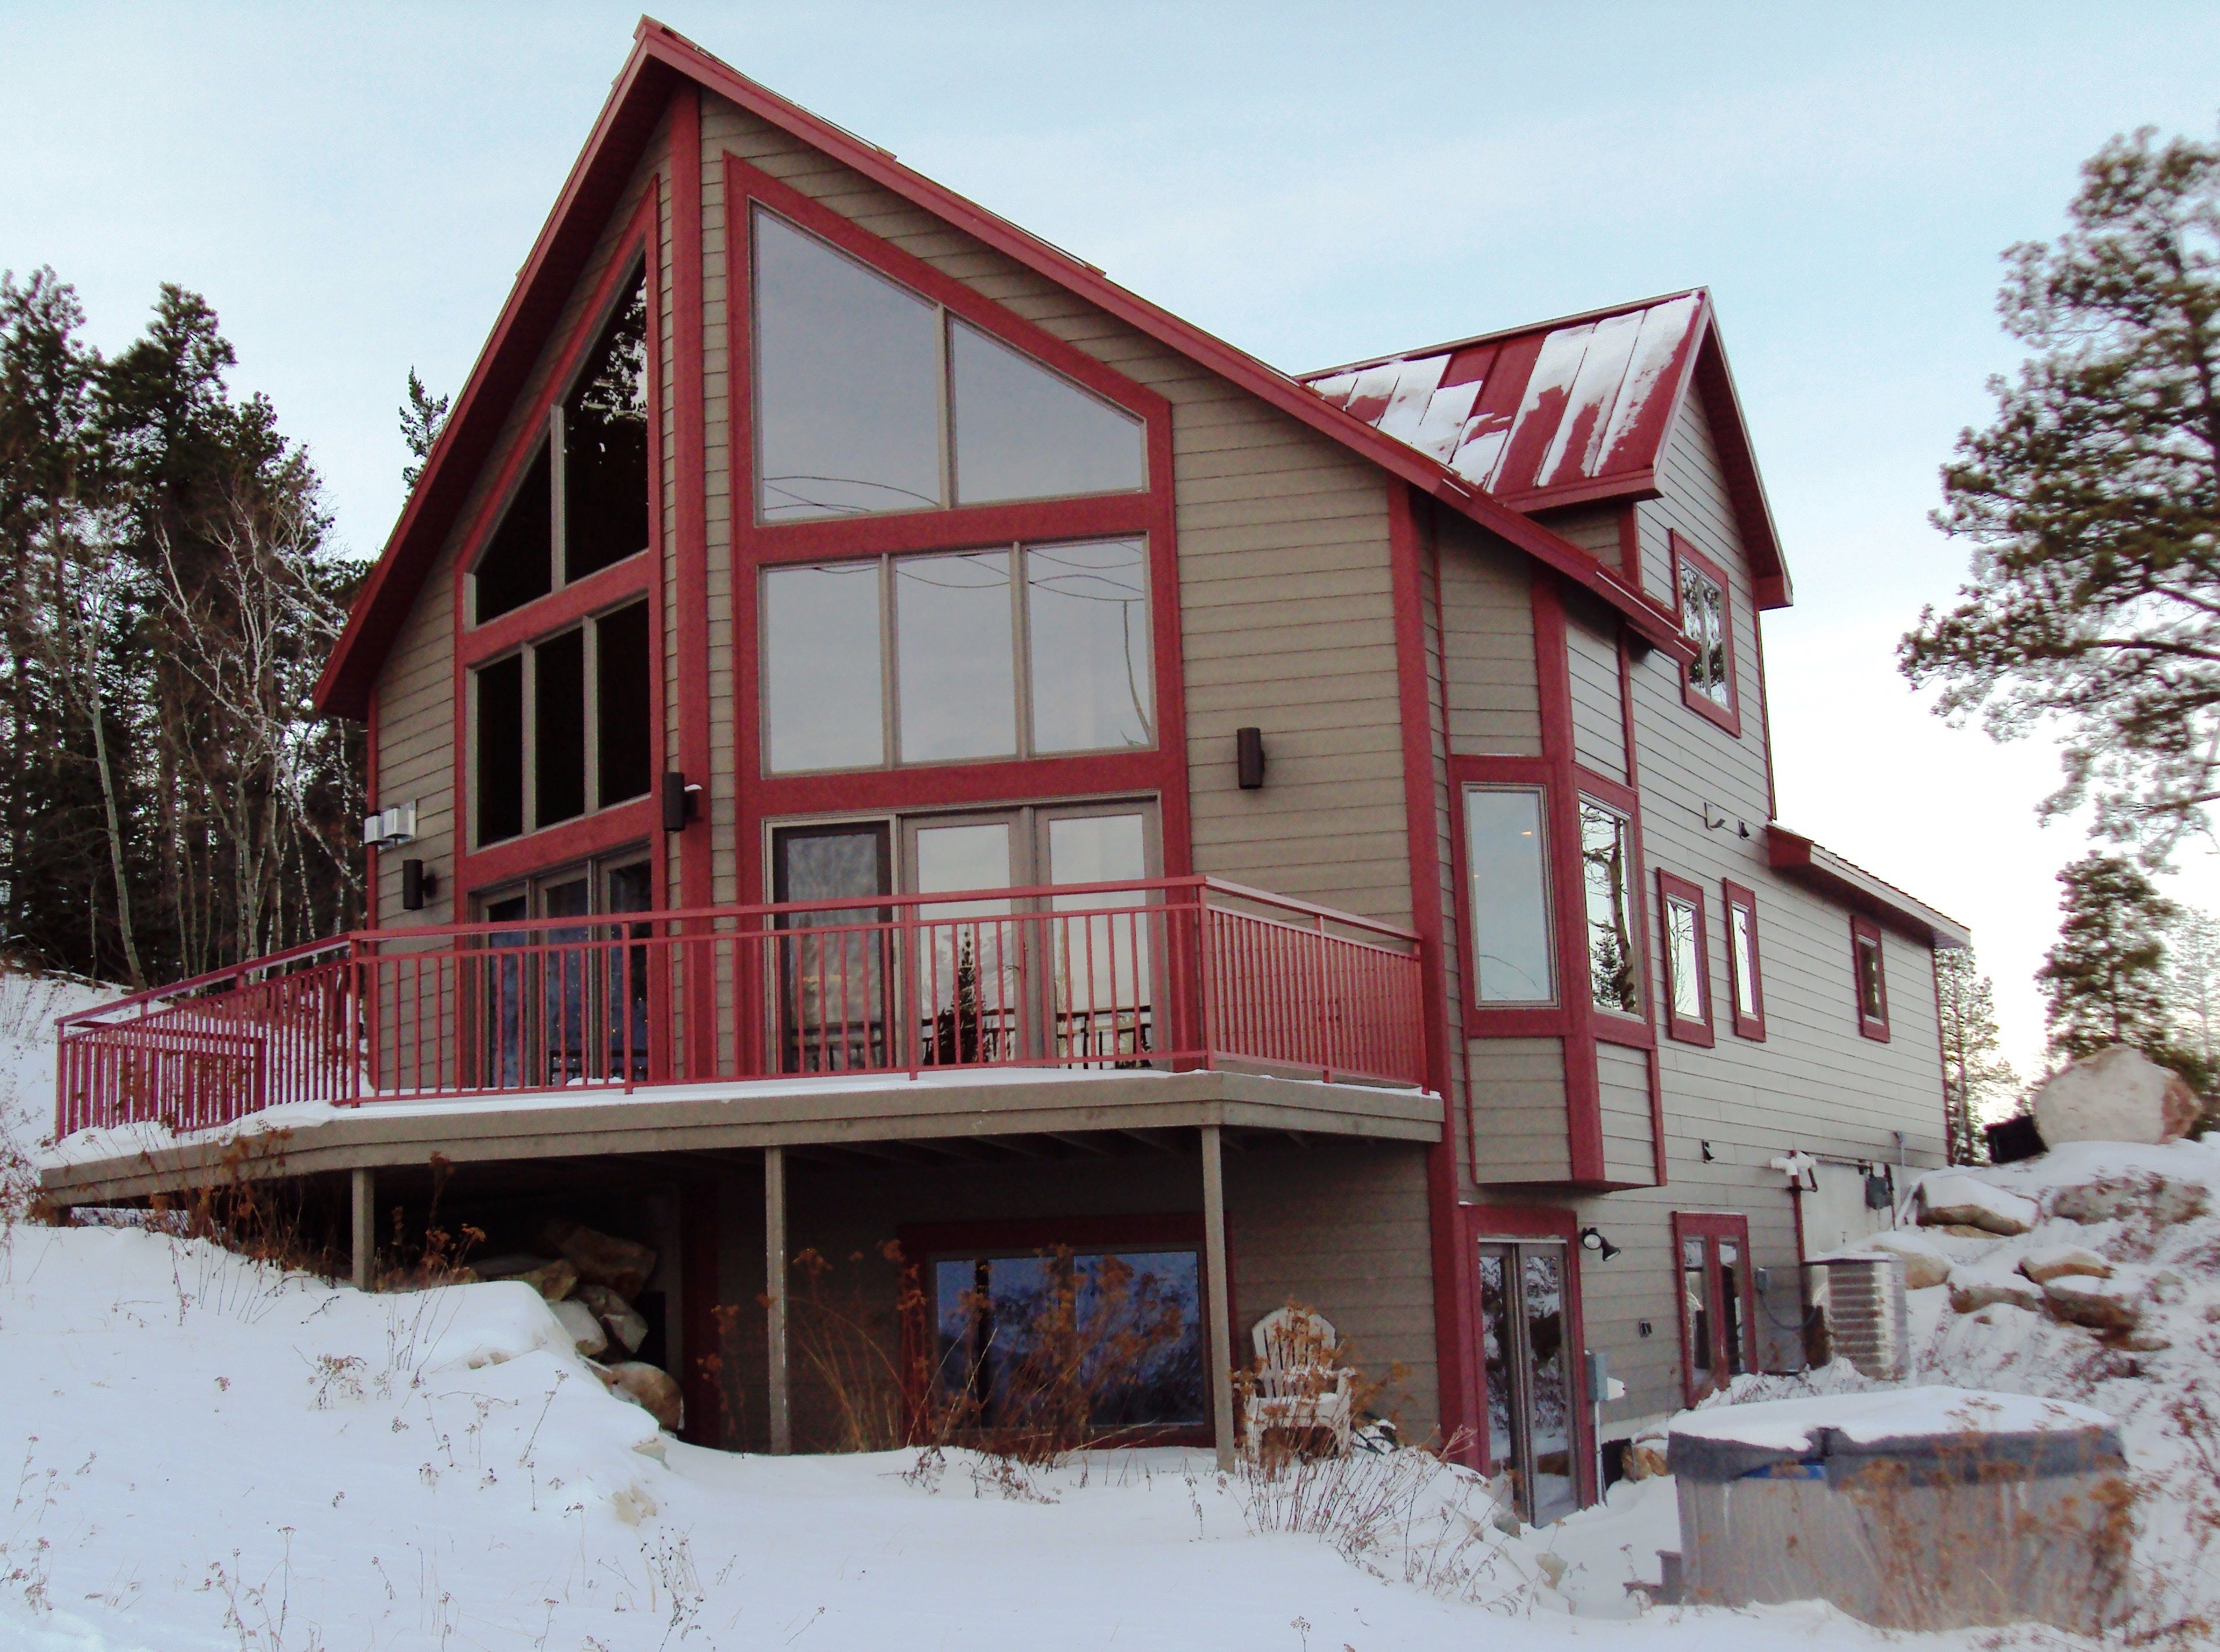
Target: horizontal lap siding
{"x": 1598, "y": 715}
{"x": 1487, "y": 632}
{"x": 1518, "y": 1090}
{"x": 415, "y": 692}
{"x": 1629, "y": 1136}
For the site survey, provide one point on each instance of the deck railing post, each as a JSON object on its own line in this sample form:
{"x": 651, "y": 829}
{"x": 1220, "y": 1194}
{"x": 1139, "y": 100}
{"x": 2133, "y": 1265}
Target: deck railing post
{"x": 774, "y": 1283}
{"x": 362, "y": 1225}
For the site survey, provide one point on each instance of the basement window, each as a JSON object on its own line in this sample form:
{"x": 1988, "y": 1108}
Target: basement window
{"x": 592, "y": 678}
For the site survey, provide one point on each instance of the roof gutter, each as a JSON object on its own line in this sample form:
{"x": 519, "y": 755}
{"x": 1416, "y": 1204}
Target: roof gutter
{"x": 1798, "y": 860}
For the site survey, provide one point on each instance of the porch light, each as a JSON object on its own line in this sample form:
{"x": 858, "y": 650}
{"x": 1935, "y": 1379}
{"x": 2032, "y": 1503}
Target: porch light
{"x": 416, "y": 884}
{"x": 390, "y": 828}
{"x": 1249, "y": 758}
{"x": 680, "y": 801}
{"x": 1592, "y": 1239}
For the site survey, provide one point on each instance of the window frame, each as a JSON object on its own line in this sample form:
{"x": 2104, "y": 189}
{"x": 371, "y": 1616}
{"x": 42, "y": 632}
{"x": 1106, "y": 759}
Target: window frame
{"x": 1866, "y": 941}
{"x": 1727, "y": 716}
{"x": 1469, "y": 917}
{"x": 889, "y": 628}
{"x": 1672, "y": 890}
{"x": 1586, "y": 792}
{"x": 1712, "y": 1228}
{"x": 1737, "y": 897}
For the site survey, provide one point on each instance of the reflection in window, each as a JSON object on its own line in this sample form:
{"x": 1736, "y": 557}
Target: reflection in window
{"x": 955, "y": 694}
{"x": 1704, "y": 618}
{"x": 559, "y": 729}
{"x": 517, "y": 565}
{"x": 1508, "y": 893}
{"x": 605, "y": 444}
{"x": 848, "y": 383}
{"x": 1607, "y": 873}
{"x": 623, "y": 745}
{"x": 1696, "y": 1311}
{"x": 1684, "y": 958}
{"x": 1742, "y": 940}
{"x": 1872, "y": 982}
{"x": 1025, "y": 433}
{"x": 1025, "y": 1342}
{"x": 593, "y": 678}
{"x": 823, "y": 689}
{"x": 1087, "y": 614}
{"x": 501, "y": 749}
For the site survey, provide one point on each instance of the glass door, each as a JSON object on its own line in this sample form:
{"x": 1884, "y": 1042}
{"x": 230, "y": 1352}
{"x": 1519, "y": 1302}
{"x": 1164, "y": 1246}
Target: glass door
{"x": 834, "y": 1007}
{"x": 1719, "y": 1331}
{"x": 1532, "y": 1433}
{"x": 506, "y": 1030}
{"x": 1101, "y": 988}
{"x": 968, "y": 962}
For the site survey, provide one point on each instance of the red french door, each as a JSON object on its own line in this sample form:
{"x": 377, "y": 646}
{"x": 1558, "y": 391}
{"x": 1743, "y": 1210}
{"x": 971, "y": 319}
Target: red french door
{"x": 1719, "y": 1317}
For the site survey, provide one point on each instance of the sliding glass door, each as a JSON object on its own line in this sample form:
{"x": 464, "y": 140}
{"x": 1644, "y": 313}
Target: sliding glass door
{"x": 1531, "y": 1436}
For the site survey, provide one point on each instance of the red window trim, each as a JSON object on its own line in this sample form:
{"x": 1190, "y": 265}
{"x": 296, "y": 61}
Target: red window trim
{"x": 1734, "y": 896}
{"x": 1713, "y": 1224}
{"x": 1729, "y": 716}
{"x": 638, "y": 818}
{"x": 921, "y": 1240}
{"x": 1483, "y": 1223}
{"x": 1160, "y": 772}
{"x": 1865, "y": 932}
{"x": 1671, "y": 888}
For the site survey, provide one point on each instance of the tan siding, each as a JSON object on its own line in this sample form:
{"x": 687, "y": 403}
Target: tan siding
{"x": 1599, "y": 712}
{"x": 1517, "y": 1087}
{"x": 1286, "y": 599}
{"x": 1629, "y": 1134}
{"x": 1487, "y": 625}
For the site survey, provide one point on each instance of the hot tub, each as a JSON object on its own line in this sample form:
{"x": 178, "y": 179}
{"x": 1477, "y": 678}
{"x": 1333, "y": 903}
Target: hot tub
{"x": 1909, "y": 1508}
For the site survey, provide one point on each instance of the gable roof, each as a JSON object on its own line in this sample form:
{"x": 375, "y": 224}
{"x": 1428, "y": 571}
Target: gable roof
{"x": 662, "y": 62}
{"x": 1574, "y": 411}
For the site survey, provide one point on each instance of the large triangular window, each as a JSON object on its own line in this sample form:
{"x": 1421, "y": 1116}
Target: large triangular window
{"x": 871, "y": 398}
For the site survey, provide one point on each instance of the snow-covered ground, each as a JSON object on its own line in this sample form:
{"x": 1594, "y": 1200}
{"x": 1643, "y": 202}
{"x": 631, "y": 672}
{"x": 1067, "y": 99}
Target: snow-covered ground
{"x": 207, "y": 1453}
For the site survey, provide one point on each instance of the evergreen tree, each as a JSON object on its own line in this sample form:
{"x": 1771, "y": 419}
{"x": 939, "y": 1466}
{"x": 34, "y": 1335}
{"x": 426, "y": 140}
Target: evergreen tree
{"x": 2092, "y": 503}
{"x": 421, "y": 415}
{"x": 1974, "y": 1071}
{"x": 2105, "y": 976}
{"x": 2193, "y": 969}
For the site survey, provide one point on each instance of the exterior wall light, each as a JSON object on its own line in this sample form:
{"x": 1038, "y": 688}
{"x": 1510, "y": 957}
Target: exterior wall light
{"x": 679, "y": 801}
{"x": 417, "y": 885}
{"x": 1249, "y": 758}
{"x": 1592, "y": 1239}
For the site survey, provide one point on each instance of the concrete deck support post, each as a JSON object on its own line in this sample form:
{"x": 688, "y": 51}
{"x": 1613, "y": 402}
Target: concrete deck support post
{"x": 781, "y": 1417}
{"x": 1220, "y": 1308}
{"x": 362, "y": 1224}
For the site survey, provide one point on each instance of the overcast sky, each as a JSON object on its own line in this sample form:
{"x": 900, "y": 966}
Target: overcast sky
{"x": 353, "y": 189}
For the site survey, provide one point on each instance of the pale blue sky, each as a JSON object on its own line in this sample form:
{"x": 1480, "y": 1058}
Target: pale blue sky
{"x": 354, "y": 188}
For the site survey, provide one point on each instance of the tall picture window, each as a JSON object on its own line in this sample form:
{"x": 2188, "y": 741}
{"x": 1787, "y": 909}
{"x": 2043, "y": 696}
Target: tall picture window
{"x": 1507, "y": 895}
{"x": 1688, "y": 991}
{"x": 971, "y": 656}
{"x": 1870, "y": 973}
{"x": 563, "y": 726}
{"x": 1607, "y": 882}
{"x": 871, "y": 398}
{"x": 583, "y": 502}
{"x": 1701, "y": 587}
{"x": 1745, "y": 972}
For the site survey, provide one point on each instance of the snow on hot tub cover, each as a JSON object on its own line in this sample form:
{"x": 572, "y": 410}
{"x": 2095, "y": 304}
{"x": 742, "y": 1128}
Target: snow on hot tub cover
{"x": 1952, "y": 1433}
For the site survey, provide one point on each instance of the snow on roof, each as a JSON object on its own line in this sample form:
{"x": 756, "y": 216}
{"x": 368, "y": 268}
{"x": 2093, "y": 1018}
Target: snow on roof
{"x": 1581, "y": 406}
{"x": 1884, "y": 1414}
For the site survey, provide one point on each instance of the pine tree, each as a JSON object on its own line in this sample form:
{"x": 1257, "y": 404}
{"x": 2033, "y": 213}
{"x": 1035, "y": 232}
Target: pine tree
{"x": 1974, "y": 1071}
{"x": 2194, "y": 969}
{"x": 420, "y": 419}
{"x": 2092, "y": 503}
{"x": 2105, "y": 976}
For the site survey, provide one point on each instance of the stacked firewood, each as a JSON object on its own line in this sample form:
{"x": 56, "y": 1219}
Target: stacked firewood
{"x": 589, "y": 1279}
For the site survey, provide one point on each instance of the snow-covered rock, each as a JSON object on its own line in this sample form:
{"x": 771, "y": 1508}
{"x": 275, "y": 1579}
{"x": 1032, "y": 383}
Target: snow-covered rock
{"x": 587, "y": 1334}
{"x": 622, "y": 1320}
{"x": 2118, "y": 1095}
{"x": 651, "y": 1388}
{"x": 1925, "y": 1264}
{"x": 2057, "y": 1261}
{"x": 1972, "y": 1289}
{"x": 2163, "y": 1200}
{"x": 1953, "y": 1199}
{"x": 2099, "y": 1304}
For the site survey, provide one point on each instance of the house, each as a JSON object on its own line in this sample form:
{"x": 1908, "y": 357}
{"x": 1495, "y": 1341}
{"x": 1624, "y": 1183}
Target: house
{"x": 906, "y": 770}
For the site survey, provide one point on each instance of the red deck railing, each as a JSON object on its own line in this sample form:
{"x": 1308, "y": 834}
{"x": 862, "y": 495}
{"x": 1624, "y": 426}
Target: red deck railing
{"x": 1170, "y": 974}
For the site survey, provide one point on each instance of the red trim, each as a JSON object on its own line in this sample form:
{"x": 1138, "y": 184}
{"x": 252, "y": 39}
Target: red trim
{"x": 370, "y": 801}
{"x": 1760, "y": 542}
{"x": 690, "y": 571}
{"x": 1864, "y": 932}
{"x": 1485, "y": 1222}
{"x": 1457, "y": 1380}
{"x": 1630, "y": 542}
{"x": 660, "y": 60}
{"x": 1734, "y": 896}
{"x": 1161, "y": 772}
{"x": 1799, "y": 860}
{"x": 1727, "y": 717}
{"x": 1671, "y": 888}
{"x": 606, "y": 588}
{"x": 1713, "y": 1226}
{"x": 636, "y": 820}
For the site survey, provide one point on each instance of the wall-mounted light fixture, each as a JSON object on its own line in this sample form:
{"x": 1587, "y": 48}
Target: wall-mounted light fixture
{"x": 679, "y": 801}
{"x": 418, "y": 884}
{"x": 1592, "y": 1239}
{"x": 1249, "y": 758}
{"x": 391, "y": 828}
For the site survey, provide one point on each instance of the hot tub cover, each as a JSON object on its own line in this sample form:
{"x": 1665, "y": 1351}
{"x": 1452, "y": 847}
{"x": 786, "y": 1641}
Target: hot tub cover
{"x": 1933, "y": 1432}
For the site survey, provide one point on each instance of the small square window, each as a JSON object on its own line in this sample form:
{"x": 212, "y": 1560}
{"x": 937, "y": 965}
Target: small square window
{"x": 1701, "y": 589}
{"x": 1870, "y": 970}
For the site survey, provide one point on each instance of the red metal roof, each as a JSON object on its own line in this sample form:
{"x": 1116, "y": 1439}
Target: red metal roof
{"x": 1567, "y": 410}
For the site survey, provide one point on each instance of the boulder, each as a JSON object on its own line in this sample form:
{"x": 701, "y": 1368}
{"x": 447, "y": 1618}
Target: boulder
{"x": 552, "y": 1280}
{"x": 509, "y": 1265}
{"x": 1645, "y": 1459}
{"x": 2061, "y": 1261}
{"x": 2118, "y": 1095}
{"x": 1972, "y": 1289}
{"x": 1953, "y": 1201}
{"x": 1924, "y": 1264}
{"x": 601, "y": 1258}
{"x": 651, "y": 1388}
{"x": 624, "y": 1324}
{"x": 2162, "y": 1198}
{"x": 580, "y": 1324}
{"x": 2099, "y": 1304}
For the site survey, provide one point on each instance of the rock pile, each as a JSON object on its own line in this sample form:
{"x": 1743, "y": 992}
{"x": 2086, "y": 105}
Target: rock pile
{"x": 589, "y": 1279}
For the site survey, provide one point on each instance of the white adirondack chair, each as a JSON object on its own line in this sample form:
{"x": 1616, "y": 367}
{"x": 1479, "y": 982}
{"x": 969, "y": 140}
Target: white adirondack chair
{"x": 1299, "y": 1385}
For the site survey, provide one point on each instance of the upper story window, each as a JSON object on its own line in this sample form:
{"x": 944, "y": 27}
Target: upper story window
{"x": 871, "y": 398}
{"x": 582, "y": 505}
{"x": 562, "y": 725}
{"x": 1507, "y": 872}
{"x": 1745, "y": 974}
{"x": 1023, "y": 650}
{"x": 1708, "y": 620}
{"x": 1871, "y": 973}
{"x": 1687, "y": 953}
{"x": 1607, "y": 877}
